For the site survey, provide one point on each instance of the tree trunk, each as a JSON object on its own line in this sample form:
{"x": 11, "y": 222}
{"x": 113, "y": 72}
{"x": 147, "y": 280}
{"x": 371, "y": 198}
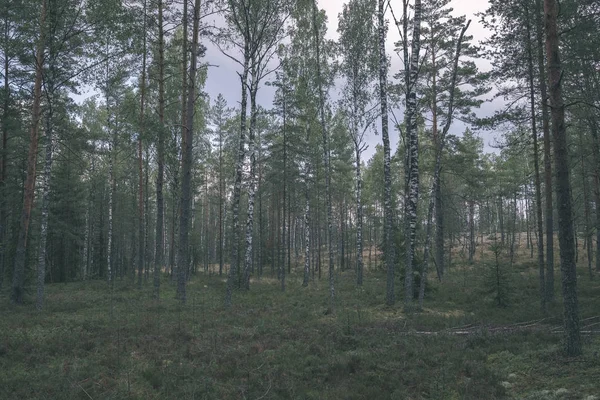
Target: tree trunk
{"x": 359, "y": 221}
{"x": 41, "y": 270}
{"x": 3, "y": 155}
{"x": 183, "y": 259}
{"x": 388, "y": 239}
{"x": 160, "y": 157}
{"x": 141, "y": 161}
{"x": 586, "y": 209}
{"x": 29, "y": 188}
{"x": 572, "y": 340}
{"x": 412, "y": 197}
{"x": 326, "y": 157}
{"x": 237, "y": 186}
{"x": 251, "y": 178}
{"x": 549, "y": 208}
{"x": 537, "y": 180}
{"x": 435, "y": 195}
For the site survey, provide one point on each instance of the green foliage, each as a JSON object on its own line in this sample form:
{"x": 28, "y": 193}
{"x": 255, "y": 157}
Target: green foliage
{"x": 497, "y": 277}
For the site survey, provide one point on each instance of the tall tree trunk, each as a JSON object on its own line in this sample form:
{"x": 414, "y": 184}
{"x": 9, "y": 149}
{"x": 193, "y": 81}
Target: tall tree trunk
{"x": 412, "y": 197}
{"x": 471, "y": 230}
{"x": 549, "y": 209}
{"x": 183, "y": 259}
{"x": 359, "y": 220}
{"x": 586, "y": 209}
{"x": 237, "y": 186}
{"x": 326, "y": 156}
{"x": 536, "y": 167}
{"x": 221, "y": 190}
{"x": 435, "y": 195}
{"x": 160, "y": 157}
{"x": 252, "y": 177}
{"x": 307, "y": 237}
{"x": 41, "y": 270}
{"x": 596, "y": 152}
{"x": 141, "y": 161}
{"x": 29, "y": 189}
{"x": 572, "y": 339}
{"x": 4, "y": 154}
{"x": 388, "y": 238}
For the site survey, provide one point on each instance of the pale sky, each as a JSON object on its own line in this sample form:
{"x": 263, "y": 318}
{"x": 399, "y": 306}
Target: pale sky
{"x": 224, "y": 79}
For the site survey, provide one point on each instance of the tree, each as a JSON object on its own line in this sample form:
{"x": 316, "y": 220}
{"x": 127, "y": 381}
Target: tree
{"x": 388, "y": 240}
{"x": 183, "y": 259}
{"x": 566, "y": 237}
{"x": 412, "y": 138}
{"x": 359, "y": 64}
{"x": 29, "y": 189}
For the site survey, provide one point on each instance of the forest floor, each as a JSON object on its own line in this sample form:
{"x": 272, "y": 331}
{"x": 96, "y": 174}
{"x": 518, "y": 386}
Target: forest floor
{"x": 274, "y": 345}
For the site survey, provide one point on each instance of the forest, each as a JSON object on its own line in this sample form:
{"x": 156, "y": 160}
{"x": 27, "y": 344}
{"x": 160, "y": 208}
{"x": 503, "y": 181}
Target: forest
{"x": 294, "y": 199}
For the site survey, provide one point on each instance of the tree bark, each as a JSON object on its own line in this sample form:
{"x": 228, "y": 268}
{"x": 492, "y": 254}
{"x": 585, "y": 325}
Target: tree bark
{"x": 572, "y": 340}
{"x": 183, "y": 259}
{"x": 388, "y": 239}
{"x": 160, "y": 156}
{"x": 252, "y": 177}
{"x": 141, "y": 161}
{"x": 549, "y": 208}
{"x": 326, "y": 157}
{"x": 41, "y": 270}
{"x": 237, "y": 186}
{"x": 536, "y": 167}
{"x": 412, "y": 197}
{"x": 17, "y": 292}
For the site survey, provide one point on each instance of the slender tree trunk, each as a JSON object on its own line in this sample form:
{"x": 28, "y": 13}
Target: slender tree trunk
{"x": 307, "y": 237}
{"x": 549, "y": 208}
{"x": 306, "y": 232}
{"x": 4, "y": 154}
{"x": 141, "y": 161}
{"x": 537, "y": 180}
{"x": 29, "y": 188}
{"x": 160, "y": 158}
{"x": 471, "y": 230}
{"x": 412, "y": 197}
{"x": 359, "y": 220}
{"x": 252, "y": 178}
{"x": 183, "y": 259}
{"x": 388, "y": 239}
{"x": 586, "y": 209}
{"x": 221, "y": 190}
{"x": 41, "y": 270}
{"x": 237, "y": 187}
{"x": 435, "y": 195}
{"x": 596, "y": 152}
{"x": 572, "y": 340}
{"x": 326, "y": 157}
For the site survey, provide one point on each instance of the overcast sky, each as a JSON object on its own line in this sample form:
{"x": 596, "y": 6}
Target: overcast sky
{"x": 223, "y": 78}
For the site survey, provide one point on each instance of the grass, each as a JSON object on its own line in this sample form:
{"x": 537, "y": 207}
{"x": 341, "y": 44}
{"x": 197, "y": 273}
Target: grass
{"x": 89, "y": 343}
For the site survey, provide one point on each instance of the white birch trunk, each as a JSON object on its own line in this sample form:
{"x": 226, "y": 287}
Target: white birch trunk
{"x": 389, "y": 247}
{"x": 237, "y": 187}
{"x": 251, "y": 183}
{"x": 412, "y": 197}
{"x": 326, "y": 159}
{"x": 41, "y": 269}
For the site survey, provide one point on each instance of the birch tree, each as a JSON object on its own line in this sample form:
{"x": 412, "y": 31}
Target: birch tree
{"x": 412, "y": 138}
{"x": 358, "y": 67}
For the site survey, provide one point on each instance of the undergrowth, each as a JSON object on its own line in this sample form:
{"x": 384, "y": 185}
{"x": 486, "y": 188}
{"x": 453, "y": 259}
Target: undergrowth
{"x": 90, "y": 342}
